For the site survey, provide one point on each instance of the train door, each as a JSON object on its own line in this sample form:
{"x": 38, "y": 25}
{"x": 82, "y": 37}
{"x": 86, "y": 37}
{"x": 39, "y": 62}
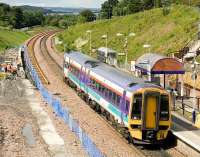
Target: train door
{"x": 151, "y": 112}
{"x": 150, "y": 116}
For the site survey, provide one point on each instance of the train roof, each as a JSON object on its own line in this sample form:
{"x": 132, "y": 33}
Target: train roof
{"x": 121, "y": 78}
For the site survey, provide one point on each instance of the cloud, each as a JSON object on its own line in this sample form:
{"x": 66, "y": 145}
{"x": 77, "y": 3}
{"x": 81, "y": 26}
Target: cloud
{"x": 57, "y": 3}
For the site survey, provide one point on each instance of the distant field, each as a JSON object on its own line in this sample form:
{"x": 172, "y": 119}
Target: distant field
{"x": 38, "y": 29}
{"x": 166, "y": 34}
{"x": 10, "y": 38}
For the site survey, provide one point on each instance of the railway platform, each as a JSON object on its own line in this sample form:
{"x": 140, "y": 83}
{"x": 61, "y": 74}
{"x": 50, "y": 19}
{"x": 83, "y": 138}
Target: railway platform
{"x": 185, "y": 131}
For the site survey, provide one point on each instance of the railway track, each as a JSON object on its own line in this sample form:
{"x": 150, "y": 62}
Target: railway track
{"x": 30, "y": 46}
{"x": 141, "y": 150}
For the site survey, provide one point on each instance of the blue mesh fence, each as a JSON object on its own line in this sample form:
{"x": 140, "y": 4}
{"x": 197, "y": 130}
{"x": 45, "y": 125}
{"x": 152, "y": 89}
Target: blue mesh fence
{"x": 62, "y": 112}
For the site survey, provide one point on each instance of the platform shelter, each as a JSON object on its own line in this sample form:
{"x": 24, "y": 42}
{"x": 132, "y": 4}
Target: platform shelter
{"x": 156, "y": 64}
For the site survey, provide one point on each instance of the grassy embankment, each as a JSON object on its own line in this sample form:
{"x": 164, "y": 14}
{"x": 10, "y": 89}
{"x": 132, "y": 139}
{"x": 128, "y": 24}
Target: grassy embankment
{"x": 166, "y": 34}
{"x": 13, "y": 38}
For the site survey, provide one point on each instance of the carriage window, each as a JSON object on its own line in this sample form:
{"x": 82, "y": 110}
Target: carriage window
{"x": 66, "y": 65}
{"x": 106, "y": 92}
{"x": 76, "y": 72}
{"x": 100, "y": 88}
{"x": 70, "y": 68}
{"x": 137, "y": 107}
{"x": 118, "y": 100}
{"x": 164, "y": 107}
{"x": 110, "y": 95}
{"x": 114, "y": 98}
{"x": 92, "y": 84}
{"x": 97, "y": 86}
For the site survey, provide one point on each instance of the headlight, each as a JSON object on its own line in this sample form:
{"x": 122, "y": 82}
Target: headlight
{"x": 135, "y": 126}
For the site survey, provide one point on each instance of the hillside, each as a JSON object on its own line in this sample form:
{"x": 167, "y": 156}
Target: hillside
{"x": 191, "y": 2}
{"x": 35, "y": 9}
{"x": 166, "y": 34}
{"x": 10, "y": 38}
{"x": 69, "y": 10}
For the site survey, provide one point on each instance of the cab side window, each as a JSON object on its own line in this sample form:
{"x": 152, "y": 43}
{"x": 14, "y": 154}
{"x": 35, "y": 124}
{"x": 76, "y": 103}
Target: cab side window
{"x": 137, "y": 107}
{"x": 164, "y": 107}
{"x": 66, "y": 65}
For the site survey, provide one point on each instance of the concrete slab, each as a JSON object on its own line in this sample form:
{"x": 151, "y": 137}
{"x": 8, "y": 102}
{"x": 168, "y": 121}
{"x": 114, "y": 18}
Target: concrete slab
{"x": 190, "y": 137}
{"x": 47, "y": 129}
{"x": 186, "y": 131}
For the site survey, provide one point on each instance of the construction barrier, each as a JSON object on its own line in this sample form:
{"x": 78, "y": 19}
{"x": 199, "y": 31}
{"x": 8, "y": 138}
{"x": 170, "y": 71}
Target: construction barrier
{"x": 60, "y": 111}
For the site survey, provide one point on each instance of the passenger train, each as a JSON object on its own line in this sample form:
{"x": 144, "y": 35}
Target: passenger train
{"x": 139, "y": 108}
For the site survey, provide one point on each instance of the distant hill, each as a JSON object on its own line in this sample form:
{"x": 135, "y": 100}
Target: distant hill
{"x": 48, "y": 10}
{"x": 35, "y": 9}
{"x": 69, "y": 10}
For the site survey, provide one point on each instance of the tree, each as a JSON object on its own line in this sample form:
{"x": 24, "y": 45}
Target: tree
{"x": 88, "y": 15}
{"x": 4, "y": 14}
{"x": 63, "y": 23}
{"x": 166, "y": 7}
{"x": 17, "y": 18}
{"x": 158, "y": 3}
{"x": 126, "y": 7}
{"x": 148, "y": 4}
{"x": 134, "y": 6}
{"x": 107, "y": 8}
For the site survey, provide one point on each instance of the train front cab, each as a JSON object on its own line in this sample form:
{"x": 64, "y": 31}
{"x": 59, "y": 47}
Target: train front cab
{"x": 149, "y": 117}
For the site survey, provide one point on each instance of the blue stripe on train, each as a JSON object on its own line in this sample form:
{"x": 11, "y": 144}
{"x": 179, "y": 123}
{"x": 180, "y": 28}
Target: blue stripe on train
{"x": 111, "y": 107}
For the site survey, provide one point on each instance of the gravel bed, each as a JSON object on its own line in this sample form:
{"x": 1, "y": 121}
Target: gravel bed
{"x": 20, "y": 134}
{"x": 72, "y": 145}
{"x": 14, "y": 115}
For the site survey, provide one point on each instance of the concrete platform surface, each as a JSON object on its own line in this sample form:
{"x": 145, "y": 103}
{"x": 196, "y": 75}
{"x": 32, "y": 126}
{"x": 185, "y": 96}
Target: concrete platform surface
{"x": 184, "y": 130}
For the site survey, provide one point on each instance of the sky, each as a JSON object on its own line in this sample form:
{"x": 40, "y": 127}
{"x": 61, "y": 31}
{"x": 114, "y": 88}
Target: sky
{"x": 57, "y": 3}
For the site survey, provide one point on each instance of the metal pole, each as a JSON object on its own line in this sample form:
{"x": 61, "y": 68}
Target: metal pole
{"x": 106, "y": 43}
{"x": 194, "y": 92}
{"x": 126, "y": 52}
{"x": 182, "y": 86}
{"x": 183, "y": 105}
{"x": 90, "y": 43}
{"x": 164, "y": 80}
{"x": 149, "y": 72}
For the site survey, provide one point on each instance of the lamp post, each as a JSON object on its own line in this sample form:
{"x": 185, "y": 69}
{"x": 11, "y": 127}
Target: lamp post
{"x": 199, "y": 32}
{"x": 64, "y": 46}
{"x": 147, "y": 46}
{"x": 90, "y": 36}
{"x": 105, "y": 36}
{"x": 194, "y": 77}
{"x": 126, "y": 45}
